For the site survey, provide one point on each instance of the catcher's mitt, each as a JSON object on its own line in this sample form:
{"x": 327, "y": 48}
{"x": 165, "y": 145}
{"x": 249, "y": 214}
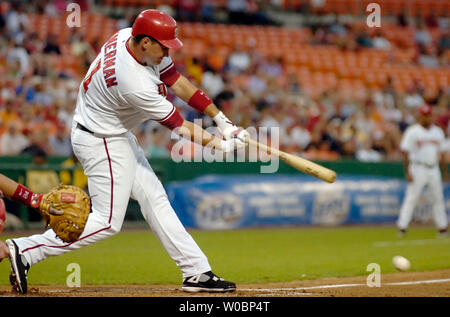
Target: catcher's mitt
{"x": 66, "y": 209}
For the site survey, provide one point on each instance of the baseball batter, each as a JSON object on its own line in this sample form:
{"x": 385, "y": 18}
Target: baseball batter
{"x": 125, "y": 86}
{"x": 422, "y": 145}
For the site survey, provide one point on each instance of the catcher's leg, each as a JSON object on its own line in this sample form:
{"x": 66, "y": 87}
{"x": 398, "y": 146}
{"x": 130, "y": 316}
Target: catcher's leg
{"x": 161, "y": 217}
{"x": 107, "y": 163}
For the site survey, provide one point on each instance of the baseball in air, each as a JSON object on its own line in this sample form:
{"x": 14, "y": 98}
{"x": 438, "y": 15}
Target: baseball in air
{"x": 401, "y": 263}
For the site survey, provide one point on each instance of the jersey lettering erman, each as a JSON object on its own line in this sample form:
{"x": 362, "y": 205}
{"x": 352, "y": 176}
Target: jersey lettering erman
{"x": 118, "y": 92}
{"x": 423, "y": 145}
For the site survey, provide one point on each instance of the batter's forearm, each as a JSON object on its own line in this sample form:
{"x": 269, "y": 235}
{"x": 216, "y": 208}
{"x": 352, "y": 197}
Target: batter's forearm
{"x": 185, "y": 90}
{"x": 15, "y": 191}
{"x": 7, "y": 186}
{"x": 198, "y": 135}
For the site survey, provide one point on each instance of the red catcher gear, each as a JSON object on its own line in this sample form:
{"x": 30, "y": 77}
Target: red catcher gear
{"x": 159, "y": 26}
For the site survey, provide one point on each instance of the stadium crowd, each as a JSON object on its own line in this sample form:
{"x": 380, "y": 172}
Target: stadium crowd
{"x": 37, "y": 98}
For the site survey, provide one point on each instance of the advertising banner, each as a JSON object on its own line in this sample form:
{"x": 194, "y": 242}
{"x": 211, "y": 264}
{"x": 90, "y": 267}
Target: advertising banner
{"x": 227, "y": 202}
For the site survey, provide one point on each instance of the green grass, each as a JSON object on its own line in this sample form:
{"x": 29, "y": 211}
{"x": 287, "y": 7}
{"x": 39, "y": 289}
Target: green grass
{"x": 248, "y": 255}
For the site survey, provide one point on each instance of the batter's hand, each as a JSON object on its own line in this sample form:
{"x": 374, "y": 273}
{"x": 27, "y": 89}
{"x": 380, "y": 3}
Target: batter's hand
{"x": 229, "y": 132}
{"x": 241, "y": 135}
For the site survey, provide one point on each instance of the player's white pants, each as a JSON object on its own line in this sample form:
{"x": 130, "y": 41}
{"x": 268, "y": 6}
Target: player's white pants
{"x": 423, "y": 176}
{"x": 117, "y": 169}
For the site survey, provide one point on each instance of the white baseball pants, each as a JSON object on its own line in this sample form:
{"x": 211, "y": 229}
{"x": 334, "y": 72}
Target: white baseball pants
{"x": 117, "y": 169}
{"x": 423, "y": 176}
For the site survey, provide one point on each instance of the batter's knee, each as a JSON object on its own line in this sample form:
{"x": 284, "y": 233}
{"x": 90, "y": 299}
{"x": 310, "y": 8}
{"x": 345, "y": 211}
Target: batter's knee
{"x": 114, "y": 229}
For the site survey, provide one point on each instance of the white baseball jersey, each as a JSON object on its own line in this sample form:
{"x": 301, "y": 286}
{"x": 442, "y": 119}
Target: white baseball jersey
{"x": 118, "y": 92}
{"x": 423, "y": 145}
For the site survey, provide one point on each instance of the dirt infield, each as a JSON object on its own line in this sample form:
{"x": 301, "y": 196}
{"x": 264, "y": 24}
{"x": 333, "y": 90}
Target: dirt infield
{"x": 408, "y": 284}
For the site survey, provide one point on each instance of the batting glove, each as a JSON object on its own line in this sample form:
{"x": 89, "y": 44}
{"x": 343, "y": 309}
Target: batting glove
{"x": 225, "y": 126}
{"x": 241, "y": 135}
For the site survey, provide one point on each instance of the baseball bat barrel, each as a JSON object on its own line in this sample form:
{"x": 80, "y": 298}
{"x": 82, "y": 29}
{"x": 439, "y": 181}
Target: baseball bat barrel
{"x": 297, "y": 162}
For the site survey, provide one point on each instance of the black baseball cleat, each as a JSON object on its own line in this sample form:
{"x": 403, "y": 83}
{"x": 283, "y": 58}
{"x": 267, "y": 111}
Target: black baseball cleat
{"x": 19, "y": 268}
{"x": 207, "y": 282}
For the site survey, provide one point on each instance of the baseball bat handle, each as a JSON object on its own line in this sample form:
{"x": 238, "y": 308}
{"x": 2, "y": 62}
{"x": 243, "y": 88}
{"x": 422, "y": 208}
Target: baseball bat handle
{"x": 297, "y": 162}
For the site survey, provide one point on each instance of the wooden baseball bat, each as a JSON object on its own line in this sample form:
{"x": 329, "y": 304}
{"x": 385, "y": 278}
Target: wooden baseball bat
{"x": 297, "y": 162}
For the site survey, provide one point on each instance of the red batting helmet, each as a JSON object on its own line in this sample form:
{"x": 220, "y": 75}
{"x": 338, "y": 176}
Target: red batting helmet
{"x": 159, "y": 26}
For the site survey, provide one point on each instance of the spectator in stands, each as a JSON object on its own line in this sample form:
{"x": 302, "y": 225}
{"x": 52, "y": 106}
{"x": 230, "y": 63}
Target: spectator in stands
{"x": 237, "y": 11}
{"x": 16, "y": 21}
{"x": 224, "y": 98}
{"x": 12, "y": 142}
{"x": 428, "y": 57}
{"x": 212, "y": 82}
{"x": 363, "y": 39}
{"x": 272, "y": 66}
{"x": 9, "y": 113}
{"x": 65, "y": 112}
{"x": 413, "y": 99}
{"x": 431, "y": 20}
{"x": 194, "y": 68}
{"x": 188, "y": 10}
{"x": 59, "y": 143}
{"x": 38, "y": 143}
{"x": 208, "y": 11}
{"x": 293, "y": 85}
{"x": 126, "y": 21}
{"x": 17, "y": 53}
{"x": 366, "y": 153}
{"x": 52, "y": 45}
{"x": 444, "y": 40}
{"x": 50, "y": 9}
{"x": 42, "y": 95}
{"x": 297, "y": 138}
{"x": 257, "y": 83}
{"x": 80, "y": 46}
{"x": 239, "y": 60}
{"x": 158, "y": 147}
{"x": 25, "y": 89}
{"x": 402, "y": 18}
{"x": 256, "y": 13}
{"x": 380, "y": 42}
{"x": 422, "y": 36}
